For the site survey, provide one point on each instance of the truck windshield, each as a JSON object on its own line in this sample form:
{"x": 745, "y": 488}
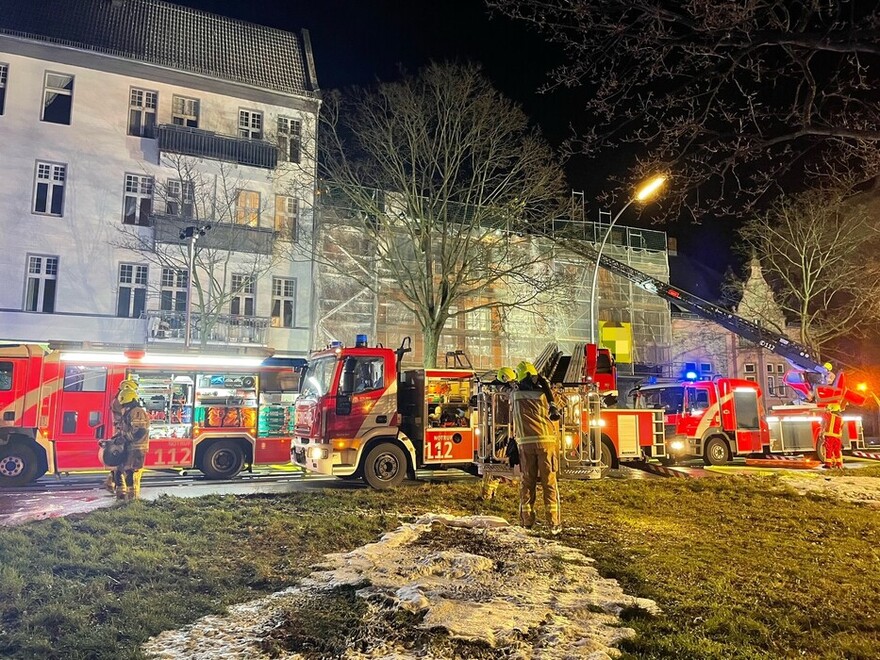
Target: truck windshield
{"x": 319, "y": 376}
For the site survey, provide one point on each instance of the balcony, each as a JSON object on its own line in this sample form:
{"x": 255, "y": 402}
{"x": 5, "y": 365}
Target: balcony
{"x": 174, "y": 139}
{"x": 222, "y": 236}
{"x": 168, "y": 327}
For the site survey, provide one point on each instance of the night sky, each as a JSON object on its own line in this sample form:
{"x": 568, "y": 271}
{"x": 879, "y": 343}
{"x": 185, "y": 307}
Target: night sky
{"x": 357, "y": 43}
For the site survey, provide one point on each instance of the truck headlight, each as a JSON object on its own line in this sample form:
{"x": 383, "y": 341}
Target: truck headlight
{"x": 676, "y": 445}
{"x": 316, "y": 453}
{"x": 569, "y": 442}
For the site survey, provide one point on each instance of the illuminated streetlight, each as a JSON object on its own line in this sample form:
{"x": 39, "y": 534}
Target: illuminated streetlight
{"x": 644, "y": 193}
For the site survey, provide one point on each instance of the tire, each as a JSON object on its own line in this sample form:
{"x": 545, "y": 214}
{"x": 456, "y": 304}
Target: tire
{"x": 606, "y": 457}
{"x": 19, "y": 464}
{"x": 222, "y": 460}
{"x": 385, "y": 466}
{"x": 820, "y": 450}
{"x": 716, "y": 452}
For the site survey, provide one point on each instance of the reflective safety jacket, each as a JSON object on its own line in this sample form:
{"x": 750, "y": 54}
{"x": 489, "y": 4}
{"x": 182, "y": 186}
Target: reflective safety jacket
{"x": 136, "y": 422}
{"x": 530, "y": 410}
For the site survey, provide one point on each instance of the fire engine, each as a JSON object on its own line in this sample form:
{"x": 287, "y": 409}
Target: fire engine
{"x": 360, "y": 415}
{"x": 719, "y": 419}
{"x": 214, "y": 413}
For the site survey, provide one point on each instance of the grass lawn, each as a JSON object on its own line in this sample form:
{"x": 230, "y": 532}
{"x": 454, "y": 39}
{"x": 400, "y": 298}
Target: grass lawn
{"x": 742, "y": 567}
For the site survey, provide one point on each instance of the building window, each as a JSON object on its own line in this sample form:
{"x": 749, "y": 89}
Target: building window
{"x": 242, "y": 295}
{"x": 185, "y": 111}
{"x": 138, "y": 203}
{"x": 49, "y": 188}
{"x": 780, "y": 368}
{"x": 142, "y": 113}
{"x": 132, "y": 296}
{"x": 771, "y": 385}
{"x": 173, "y": 290}
{"x": 250, "y": 124}
{"x": 706, "y": 367}
{"x": 179, "y": 198}
{"x": 286, "y": 216}
{"x": 769, "y": 368}
{"x": 283, "y": 303}
{"x": 247, "y": 208}
{"x": 751, "y": 379}
{"x": 57, "y": 98}
{"x": 42, "y": 279}
{"x": 290, "y": 138}
{"x": 749, "y": 367}
{"x": 4, "y": 74}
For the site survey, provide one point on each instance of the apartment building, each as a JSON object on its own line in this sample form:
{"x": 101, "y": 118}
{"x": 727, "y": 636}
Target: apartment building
{"x": 156, "y": 162}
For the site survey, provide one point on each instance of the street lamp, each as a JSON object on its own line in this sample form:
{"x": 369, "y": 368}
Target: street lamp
{"x": 644, "y": 193}
{"x": 192, "y": 233}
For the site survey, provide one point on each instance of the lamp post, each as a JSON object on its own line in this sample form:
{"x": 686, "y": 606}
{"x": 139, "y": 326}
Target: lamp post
{"x": 644, "y": 193}
{"x": 192, "y": 233}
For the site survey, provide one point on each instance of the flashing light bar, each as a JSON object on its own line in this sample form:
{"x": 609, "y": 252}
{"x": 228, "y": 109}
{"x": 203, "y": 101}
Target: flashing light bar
{"x": 159, "y": 360}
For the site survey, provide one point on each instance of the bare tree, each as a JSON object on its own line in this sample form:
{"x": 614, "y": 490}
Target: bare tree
{"x": 227, "y": 260}
{"x": 741, "y": 99}
{"x": 441, "y": 180}
{"x": 818, "y": 252}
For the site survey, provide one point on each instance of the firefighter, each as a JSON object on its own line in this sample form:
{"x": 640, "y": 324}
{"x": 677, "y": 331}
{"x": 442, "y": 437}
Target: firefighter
{"x": 114, "y": 478}
{"x": 505, "y": 380}
{"x": 136, "y": 425}
{"x": 534, "y": 411}
{"x": 832, "y": 432}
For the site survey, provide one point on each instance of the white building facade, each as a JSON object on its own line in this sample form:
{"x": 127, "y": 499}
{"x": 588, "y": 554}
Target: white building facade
{"x": 125, "y": 123}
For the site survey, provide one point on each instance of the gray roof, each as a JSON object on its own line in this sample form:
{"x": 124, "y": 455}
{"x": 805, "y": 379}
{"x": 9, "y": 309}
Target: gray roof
{"x": 168, "y": 35}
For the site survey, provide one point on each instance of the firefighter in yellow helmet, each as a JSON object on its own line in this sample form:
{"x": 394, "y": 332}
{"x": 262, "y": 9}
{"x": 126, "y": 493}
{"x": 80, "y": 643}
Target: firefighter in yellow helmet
{"x": 832, "y": 432}
{"x": 136, "y": 425}
{"x": 534, "y": 413}
{"x": 113, "y": 479}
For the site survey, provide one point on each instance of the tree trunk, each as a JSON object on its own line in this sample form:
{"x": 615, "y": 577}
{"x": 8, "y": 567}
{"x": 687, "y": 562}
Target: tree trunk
{"x": 431, "y": 340}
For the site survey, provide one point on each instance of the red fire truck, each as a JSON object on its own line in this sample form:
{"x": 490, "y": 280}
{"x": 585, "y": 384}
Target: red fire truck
{"x": 214, "y": 413}
{"x": 360, "y": 416}
{"x": 722, "y": 418}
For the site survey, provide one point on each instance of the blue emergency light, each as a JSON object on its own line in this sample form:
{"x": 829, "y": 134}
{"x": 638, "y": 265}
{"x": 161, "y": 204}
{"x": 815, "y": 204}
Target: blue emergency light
{"x": 691, "y": 375}
{"x": 360, "y": 341}
{"x": 335, "y": 344}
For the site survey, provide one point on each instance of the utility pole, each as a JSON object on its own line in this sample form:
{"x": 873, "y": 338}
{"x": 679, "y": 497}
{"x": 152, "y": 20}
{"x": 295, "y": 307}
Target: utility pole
{"x": 191, "y": 233}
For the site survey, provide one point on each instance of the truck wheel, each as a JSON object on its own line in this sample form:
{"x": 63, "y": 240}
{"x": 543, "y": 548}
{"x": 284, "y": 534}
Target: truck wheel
{"x": 716, "y": 452}
{"x": 820, "y": 450}
{"x": 606, "y": 458}
{"x": 222, "y": 460}
{"x": 19, "y": 464}
{"x": 385, "y": 466}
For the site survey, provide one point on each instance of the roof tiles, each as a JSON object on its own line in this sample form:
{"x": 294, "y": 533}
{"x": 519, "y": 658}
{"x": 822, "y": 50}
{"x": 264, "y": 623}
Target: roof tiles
{"x": 168, "y": 35}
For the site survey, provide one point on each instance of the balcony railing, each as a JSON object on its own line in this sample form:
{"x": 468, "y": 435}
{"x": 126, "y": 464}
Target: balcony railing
{"x": 188, "y": 141}
{"x": 222, "y": 235}
{"x": 169, "y": 327}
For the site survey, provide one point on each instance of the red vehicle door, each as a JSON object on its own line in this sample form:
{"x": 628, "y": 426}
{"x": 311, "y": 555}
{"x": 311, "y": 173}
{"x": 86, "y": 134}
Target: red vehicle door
{"x": 750, "y": 426}
{"x": 83, "y": 417}
{"x": 449, "y": 435}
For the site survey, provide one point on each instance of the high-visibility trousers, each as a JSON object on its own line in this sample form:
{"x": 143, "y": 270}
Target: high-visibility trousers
{"x": 539, "y": 463}
{"x": 833, "y": 444}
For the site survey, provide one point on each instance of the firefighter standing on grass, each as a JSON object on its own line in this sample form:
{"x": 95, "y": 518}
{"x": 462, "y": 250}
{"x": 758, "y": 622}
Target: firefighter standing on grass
{"x": 534, "y": 413}
{"x": 136, "y": 431}
{"x": 116, "y": 410}
{"x": 832, "y": 431}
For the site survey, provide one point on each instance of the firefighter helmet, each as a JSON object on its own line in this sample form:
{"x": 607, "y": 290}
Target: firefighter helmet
{"x": 112, "y": 453}
{"x": 128, "y": 384}
{"x": 833, "y": 407}
{"x": 524, "y": 369}
{"x": 127, "y": 396}
{"x": 506, "y": 374}
{"x": 828, "y": 366}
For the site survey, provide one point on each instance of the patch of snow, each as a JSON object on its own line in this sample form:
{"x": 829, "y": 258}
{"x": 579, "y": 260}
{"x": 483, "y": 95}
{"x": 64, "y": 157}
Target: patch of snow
{"x": 475, "y": 578}
{"x": 851, "y": 489}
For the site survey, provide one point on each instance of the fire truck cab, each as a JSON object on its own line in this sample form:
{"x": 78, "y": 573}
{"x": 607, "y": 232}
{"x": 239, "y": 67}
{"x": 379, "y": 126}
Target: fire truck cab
{"x": 218, "y": 414}
{"x": 359, "y": 416}
{"x": 713, "y": 420}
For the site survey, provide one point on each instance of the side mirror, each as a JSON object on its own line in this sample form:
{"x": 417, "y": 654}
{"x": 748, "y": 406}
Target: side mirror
{"x": 343, "y": 404}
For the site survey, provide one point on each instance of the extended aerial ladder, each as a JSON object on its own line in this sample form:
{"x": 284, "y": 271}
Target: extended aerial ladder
{"x": 798, "y": 354}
